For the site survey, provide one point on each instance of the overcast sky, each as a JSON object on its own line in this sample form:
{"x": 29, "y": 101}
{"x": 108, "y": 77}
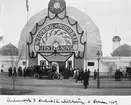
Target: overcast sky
{"x": 108, "y": 15}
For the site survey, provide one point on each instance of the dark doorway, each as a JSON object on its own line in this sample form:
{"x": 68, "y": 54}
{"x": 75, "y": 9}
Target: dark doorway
{"x": 69, "y": 64}
{"x": 61, "y": 67}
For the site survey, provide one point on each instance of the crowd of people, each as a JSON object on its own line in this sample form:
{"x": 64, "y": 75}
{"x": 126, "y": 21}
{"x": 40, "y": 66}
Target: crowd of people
{"x": 77, "y": 73}
{"x": 118, "y": 75}
{"x": 26, "y": 72}
{"x": 121, "y": 74}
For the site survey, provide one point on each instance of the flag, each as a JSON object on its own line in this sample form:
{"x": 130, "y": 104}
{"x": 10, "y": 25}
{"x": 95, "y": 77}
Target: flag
{"x": 27, "y": 6}
{"x": 1, "y": 38}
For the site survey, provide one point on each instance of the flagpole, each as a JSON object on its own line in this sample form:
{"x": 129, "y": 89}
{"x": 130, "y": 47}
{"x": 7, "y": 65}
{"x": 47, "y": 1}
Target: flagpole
{"x": 85, "y": 57}
{"x": 26, "y": 53}
{"x": 27, "y": 8}
{"x": 86, "y": 32}
{"x": 27, "y": 38}
{"x": 86, "y": 47}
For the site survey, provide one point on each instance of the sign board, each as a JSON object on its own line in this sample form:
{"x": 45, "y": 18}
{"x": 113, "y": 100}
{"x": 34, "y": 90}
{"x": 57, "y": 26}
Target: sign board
{"x": 56, "y": 36}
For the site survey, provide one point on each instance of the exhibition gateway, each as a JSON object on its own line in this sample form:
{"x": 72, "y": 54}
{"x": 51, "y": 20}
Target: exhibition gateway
{"x": 60, "y": 35}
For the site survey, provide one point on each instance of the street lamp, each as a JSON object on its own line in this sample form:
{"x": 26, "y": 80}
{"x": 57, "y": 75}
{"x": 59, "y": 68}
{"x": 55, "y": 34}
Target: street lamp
{"x": 98, "y": 78}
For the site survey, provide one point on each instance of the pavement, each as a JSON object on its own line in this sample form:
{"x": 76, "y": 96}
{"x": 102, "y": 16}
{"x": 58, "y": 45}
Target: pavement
{"x": 68, "y": 86}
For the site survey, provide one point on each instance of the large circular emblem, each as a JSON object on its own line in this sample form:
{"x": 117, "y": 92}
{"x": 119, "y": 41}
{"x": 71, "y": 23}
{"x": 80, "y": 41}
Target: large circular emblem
{"x": 56, "y": 6}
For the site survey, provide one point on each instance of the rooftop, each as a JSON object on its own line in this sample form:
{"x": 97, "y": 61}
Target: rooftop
{"x": 123, "y": 50}
{"x": 9, "y": 50}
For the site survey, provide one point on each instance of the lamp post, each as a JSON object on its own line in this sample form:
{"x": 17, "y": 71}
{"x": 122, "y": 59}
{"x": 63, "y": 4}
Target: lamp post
{"x": 98, "y": 78}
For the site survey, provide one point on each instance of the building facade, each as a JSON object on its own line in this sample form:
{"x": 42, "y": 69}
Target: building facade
{"x": 59, "y": 35}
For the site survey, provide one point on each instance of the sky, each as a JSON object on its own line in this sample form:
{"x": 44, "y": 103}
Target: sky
{"x": 112, "y": 17}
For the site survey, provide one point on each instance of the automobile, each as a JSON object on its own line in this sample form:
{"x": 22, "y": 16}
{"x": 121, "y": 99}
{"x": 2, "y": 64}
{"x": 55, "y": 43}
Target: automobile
{"x": 46, "y": 72}
{"x": 128, "y": 71}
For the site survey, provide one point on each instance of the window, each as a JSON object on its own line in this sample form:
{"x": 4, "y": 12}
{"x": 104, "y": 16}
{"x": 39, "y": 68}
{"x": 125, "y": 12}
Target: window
{"x": 90, "y": 63}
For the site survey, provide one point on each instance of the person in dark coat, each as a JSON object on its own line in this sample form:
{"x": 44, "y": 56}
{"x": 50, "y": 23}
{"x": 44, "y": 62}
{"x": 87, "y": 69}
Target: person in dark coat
{"x": 119, "y": 75}
{"x": 14, "y": 71}
{"x": 66, "y": 73}
{"x": 116, "y": 76}
{"x": 1, "y": 70}
{"x": 24, "y": 72}
{"x": 122, "y": 76}
{"x": 95, "y": 75}
{"x": 80, "y": 77}
{"x": 72, "y": 72}
{"x": 28, "y": 71}
{"x": 86, "y": 78}
{"x": 89, "y": 72}
{"x": 10, "y": 71}
{"x": 20, "y": 71}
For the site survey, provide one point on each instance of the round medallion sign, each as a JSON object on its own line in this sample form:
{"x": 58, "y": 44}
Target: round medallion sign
{"x": 56, "y": 6}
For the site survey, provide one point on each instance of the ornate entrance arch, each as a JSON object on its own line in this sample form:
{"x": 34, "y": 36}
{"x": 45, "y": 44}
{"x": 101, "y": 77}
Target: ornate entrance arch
{"x": 57, "y": 36}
